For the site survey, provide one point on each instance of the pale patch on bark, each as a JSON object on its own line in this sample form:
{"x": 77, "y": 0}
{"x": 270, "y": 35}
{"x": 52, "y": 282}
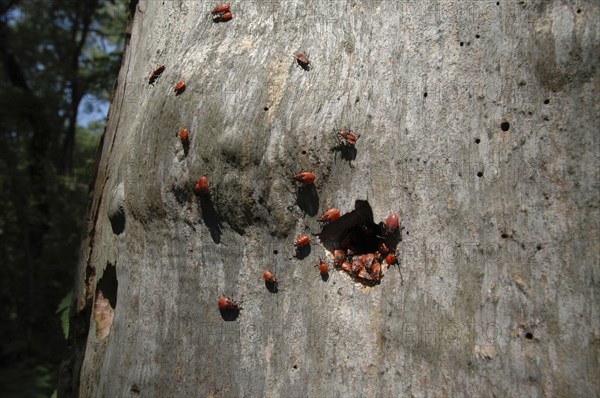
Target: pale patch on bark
{"x": 103, "y": 315}
{"x": 278, "y": 74}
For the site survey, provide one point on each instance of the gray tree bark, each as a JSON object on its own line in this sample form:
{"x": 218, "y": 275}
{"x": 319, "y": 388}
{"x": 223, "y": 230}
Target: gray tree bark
{"x": 479, "y": 125}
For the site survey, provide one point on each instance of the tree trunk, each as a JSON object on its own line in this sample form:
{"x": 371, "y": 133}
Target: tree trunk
{"x": 478, "y": 123}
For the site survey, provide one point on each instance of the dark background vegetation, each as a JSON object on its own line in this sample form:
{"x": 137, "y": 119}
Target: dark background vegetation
{"x": 59, "y": 60}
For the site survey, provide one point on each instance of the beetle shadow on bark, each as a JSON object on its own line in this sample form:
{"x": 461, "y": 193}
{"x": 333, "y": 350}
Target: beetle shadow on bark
{"x": 211, "y": 218}
{"x": 392, "y": 240}
{"x": 271, "y": 287}
{"x": 186, "y": 147}
{"x": 220, "y": 19}
{"x": 302, "y": 252}
{"x": 308, "y": 199}
{"x": 229, "y": 315}
{"x": 347, "y": 152}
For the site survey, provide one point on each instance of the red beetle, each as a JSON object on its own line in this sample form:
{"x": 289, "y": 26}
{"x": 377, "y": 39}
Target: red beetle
{"x": 184, "y": 136}
{"x": 347, "y": 267}
{"x": 331, "y": 215}
{"x": 220, "y": 8}
{"x": 364, "y": 274}
{"x": 323, "y": 267}
{"x": 376, "y": 272}
{"x": 391, "y": 223}
{"x": 305, "y": 177}
{"x": 302, "y": 241}
{"x": 303, "y": 61}
{"x": 225, "y": 303}
{"x": 269, "y": 277}
{"x": 338, "y": 257}
{"x": 227, "y": 16}
{"x": 156, "y": 74}
{"x": 201, "y": 186}
{"x": 391, "y": 259}
{"x": 368, "y": 259}
{"x": 179, "y": 87}
{"x": 357, "y": 265}
{"x": 348, "y": 137}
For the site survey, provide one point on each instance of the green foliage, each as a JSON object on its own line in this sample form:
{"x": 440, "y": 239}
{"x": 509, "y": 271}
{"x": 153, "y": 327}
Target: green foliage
{"x": 63, "y": 312}
{"x": 54, "y": 54}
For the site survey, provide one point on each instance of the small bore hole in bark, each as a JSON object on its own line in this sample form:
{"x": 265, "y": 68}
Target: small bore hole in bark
{"x": 479, "y": 174}
{"x": 528, "y": 335}
{"x": 505, "y": 126}
{"x": 477, "y": 140}
{"x": 546, "y": 101}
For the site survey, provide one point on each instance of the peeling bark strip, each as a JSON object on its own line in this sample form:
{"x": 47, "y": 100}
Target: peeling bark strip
{"x": 477, "y": 120}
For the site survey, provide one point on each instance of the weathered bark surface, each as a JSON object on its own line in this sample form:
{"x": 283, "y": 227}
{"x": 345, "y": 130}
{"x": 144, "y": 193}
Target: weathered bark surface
{"x": 499, "y": 257}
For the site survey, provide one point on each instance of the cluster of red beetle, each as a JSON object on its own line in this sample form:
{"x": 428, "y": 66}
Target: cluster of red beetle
{"x": 365, "y": 267}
